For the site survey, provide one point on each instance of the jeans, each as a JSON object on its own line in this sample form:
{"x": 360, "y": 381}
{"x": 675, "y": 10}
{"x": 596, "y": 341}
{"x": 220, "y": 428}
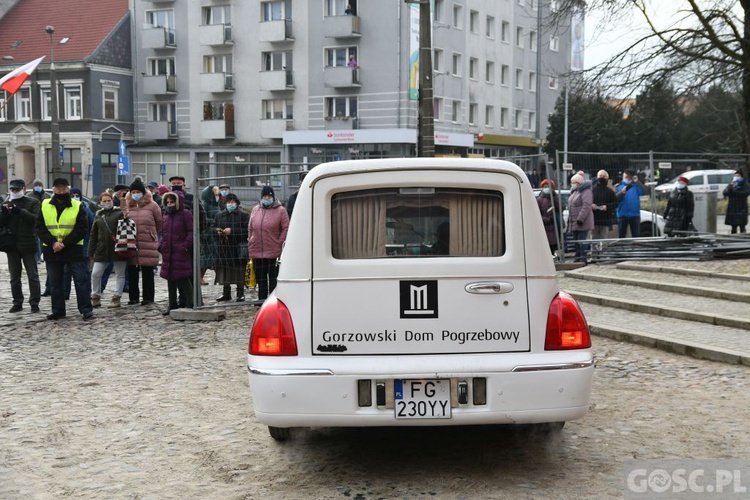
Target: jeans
{"x": 28, "y": 260}
{"x": 148, "y": 283}
{"x": 266, "y": 272}
{"x": 100, "y": 271}
{"x": 69, "y": 276}
{"x": 600, "y": 232}
{"x": 56, "y": 274}
{"x": 185, "y": 286}
{"x": 581, "y": 248}
{"x": 634, "y": 223}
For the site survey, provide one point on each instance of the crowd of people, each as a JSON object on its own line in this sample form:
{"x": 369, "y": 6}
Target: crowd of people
{"x": 595, "y": 207}
{"x": 138, "y": 231}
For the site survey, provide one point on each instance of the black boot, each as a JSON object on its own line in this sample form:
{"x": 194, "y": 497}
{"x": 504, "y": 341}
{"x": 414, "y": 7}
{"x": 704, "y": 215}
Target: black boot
{"x": 227, "y": 295}
{"x": 240, "y": 293}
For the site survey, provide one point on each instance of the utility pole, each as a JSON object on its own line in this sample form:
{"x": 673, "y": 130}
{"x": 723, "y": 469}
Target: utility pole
{"x": 54, "y": 119}
{"x": 426, "y": 117}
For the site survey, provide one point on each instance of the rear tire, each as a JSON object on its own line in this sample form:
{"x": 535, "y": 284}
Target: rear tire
{"x": 647, "y": 229}
{"x": 280, "y": 434}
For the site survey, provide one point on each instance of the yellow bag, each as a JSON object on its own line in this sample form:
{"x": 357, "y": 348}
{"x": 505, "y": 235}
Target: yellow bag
{"x": 250, "y": 280}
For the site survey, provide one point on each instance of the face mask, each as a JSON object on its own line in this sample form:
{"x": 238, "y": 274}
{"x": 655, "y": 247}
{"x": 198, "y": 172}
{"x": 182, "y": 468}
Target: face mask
{"x": 266, "y": 203}
{"x": 680, "y": 185}
{"x": 602, "y": 181}
{"x": 63, "y": 197}
{"x": 176, "y": 188}
{"x": 736, "y": 179}
{"x": 224, "y": 192}
{"x": 546, "y": 190}
{"x": 38, "y": 189}
{"x": 136, "y": 196}
{"x": 14, "y": 195}
{"x": 77, "y": 198}
{"x": 107, "y": 206}
{"x": 626, "y": 181}
{"x": 574, "y": 185}
{"x": 170, "y": 210}
{"x": 231, "y": 206}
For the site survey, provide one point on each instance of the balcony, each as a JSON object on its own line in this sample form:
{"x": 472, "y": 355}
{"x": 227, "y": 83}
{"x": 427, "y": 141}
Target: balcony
{"x": 276, "y": 31}
{"x": 217, "y": 82}
{"x": 277, "y": 80}
{"x": 341, "y": 26}
{"x": 159, "y": 131}
{"x": 160, "y": 84}
{"x": 341, "y": 123}
{"x": 157, "y": 1}
{"x": 341, "y": 77}
{"x": 275, "y": 128}
{"x": 158, "y": 38}
{"x": 215, "y": 34}
{"x": 218, "y": 120}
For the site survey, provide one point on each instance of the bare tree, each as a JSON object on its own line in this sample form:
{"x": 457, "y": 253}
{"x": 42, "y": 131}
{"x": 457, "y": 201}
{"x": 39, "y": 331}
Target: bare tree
{"x": 705, "y": 43}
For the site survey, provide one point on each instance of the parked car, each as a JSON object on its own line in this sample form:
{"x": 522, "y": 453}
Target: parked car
{"x": 651, "y": 224}
{"x": 412, "y": 292}
{"x": 701, "y": 181}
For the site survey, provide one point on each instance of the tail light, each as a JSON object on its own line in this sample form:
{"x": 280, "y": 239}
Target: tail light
{"x": 272, "y": 333}
{"x": 566, "y": 325}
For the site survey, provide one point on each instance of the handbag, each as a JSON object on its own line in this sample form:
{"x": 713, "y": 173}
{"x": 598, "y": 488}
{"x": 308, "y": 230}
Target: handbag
{"x": 250, "y": 278}
{"x": 7, "y": 239}
{"x": 126, "y": 244}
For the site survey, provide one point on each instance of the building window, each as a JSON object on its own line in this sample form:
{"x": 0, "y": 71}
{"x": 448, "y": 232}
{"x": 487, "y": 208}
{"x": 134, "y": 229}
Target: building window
{"x": 505, "y": 31}
{"x": 215, "y": 110}
{"x": 473, "y": 68}
{"x": 45, "y": 102}
{"x": 456, "y": 71}
{"x": 532, "y": 40}
{"x": 517, "y": 117}
{"x": 504, "y": 117}
{"x": 490, "y": 31}
{"x": 437, "y": 108}
{"x": 437, "y": 60}
{"x": 217, "y": 14}
{"x": 341, "y": 107}
{"x": 161, "y": 111}
{"x": 504, "y": 74}
{"x": 532, "y": 81}
{"x": 275, "y": 61}
{"x": 160, "y": 18}
{"x": 474, "y": 21}
{"x": 473, "y": 110}
{"x": 274, "y": 11}
{"x": 552, "y": 84}
{"x": 456, "y": 111}
{"x": 3, "y": 100}
{"x": 165, "y": 66}
{"x": 23, "y": 104}
{"x": 532, "y": 121}
{"x": 489, "y": 72}
{"x": 554, "y": 44}
{"x": 519, "y": 37}
{"x": 277, "y": 109}
{"x": 438, "y": 13}
{"x": 553, "y": 5}
{"x": 519, "y": 78}
{"x": 110, "y": 103}
{"x": 458, "y": 16}
{"x": 489, "y": 116}
{"x": 73, "y": 109}
{"x": 339, "y": 56}
{"x": 217, "y": 63}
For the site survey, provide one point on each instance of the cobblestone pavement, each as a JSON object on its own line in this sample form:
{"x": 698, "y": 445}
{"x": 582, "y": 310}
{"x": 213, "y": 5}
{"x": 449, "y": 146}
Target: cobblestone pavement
{"x": 134, "y": 405}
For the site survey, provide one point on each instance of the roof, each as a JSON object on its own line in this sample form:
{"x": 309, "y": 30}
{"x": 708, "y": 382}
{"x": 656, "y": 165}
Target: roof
{"x": 87, "y": 23}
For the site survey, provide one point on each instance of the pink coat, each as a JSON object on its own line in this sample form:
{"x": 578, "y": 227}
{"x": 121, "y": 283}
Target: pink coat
{"x": 267, "y": 231}
{"x": 148, "y": 219}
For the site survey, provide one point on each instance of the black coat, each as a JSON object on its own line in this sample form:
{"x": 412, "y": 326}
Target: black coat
{"x": 737, "y": 206}
{"x": 231, "y": 249}
{"x": 679, "y": 212}
{"x": 21, "y": 222}
{"x": 605, "y": 195}
{"x": 72, "y": 251}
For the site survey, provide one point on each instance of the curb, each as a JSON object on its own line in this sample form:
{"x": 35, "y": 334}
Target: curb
{"x": 686, "y": 272}
{"x": 686, "y": 348}
{"x": 197, "y": 314}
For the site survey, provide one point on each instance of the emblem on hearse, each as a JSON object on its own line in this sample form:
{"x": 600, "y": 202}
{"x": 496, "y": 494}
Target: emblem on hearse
{"x": 418, "y": 299}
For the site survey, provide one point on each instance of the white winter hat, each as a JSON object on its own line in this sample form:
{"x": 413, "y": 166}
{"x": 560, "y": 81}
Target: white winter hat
{"x": 578, "y": 178}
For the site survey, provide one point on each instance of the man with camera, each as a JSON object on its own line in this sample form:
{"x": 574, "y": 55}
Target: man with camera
{"x": 18, "y": 214}
{"x": 629, "y": 193}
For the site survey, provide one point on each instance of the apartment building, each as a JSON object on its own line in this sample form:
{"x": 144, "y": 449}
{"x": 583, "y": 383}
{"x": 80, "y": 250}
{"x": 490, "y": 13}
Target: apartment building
{"x": 239, "y": 87}
{"x": 91, "y": 49}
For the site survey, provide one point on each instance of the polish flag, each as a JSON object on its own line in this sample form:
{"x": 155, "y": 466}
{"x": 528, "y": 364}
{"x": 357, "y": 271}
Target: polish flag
{"x": 13, "y": 80}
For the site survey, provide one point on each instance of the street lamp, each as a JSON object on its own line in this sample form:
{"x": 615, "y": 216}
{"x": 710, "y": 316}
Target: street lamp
{"x": 54, "y": 119}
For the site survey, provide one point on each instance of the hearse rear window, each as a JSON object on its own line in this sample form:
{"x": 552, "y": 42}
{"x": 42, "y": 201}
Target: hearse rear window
{"x": 417, "y": 222}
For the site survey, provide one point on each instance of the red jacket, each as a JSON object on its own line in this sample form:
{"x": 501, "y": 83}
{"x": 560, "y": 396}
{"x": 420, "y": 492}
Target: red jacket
{"x": 267, "y": 231}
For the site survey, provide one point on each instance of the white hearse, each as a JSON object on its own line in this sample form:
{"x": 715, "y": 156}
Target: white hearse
{"x": 417, "y": 292}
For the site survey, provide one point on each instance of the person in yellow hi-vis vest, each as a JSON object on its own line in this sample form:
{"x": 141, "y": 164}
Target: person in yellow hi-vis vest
{"x": 61, "y": 226}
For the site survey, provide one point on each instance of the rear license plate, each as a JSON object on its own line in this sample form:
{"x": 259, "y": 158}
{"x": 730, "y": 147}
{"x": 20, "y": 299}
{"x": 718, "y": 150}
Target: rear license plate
{"x": 422, "y": 398}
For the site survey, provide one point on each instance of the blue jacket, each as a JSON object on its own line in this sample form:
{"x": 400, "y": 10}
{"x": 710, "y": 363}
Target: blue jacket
{"x": 628, "y": 201}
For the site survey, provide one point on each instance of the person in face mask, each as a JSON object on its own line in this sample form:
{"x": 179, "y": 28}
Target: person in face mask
{"x": 628, "y": 193}
{"x": 551, "y": 209}
{"x": 269, "y": 223}
{"x": 140, "y": 207}
{"x": 224, "y": 191}
{"x": 604, "y": 206}
{"x": 62, "y": 225}
{"x": 736, "y": 193}
{"x": 210, "y": 206}
{"x": 38, "y": 192}
{"x": 18, "y": 215}
{"x": 102, "y": 251}
{"x": 75, "y": 194}
{"x": 230, "y": 228}
{"x": 678, "y": 216}
{"x": 176, "y": 249}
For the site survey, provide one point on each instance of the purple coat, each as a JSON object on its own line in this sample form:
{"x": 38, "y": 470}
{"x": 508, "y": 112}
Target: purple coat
{"x": 580, "y": 208}
{"x": 176, "y": 245}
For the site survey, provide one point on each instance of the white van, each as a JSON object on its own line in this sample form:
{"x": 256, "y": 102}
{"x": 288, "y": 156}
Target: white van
{"x": 416, "y": 292}
{"x": 701, "y": 181}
